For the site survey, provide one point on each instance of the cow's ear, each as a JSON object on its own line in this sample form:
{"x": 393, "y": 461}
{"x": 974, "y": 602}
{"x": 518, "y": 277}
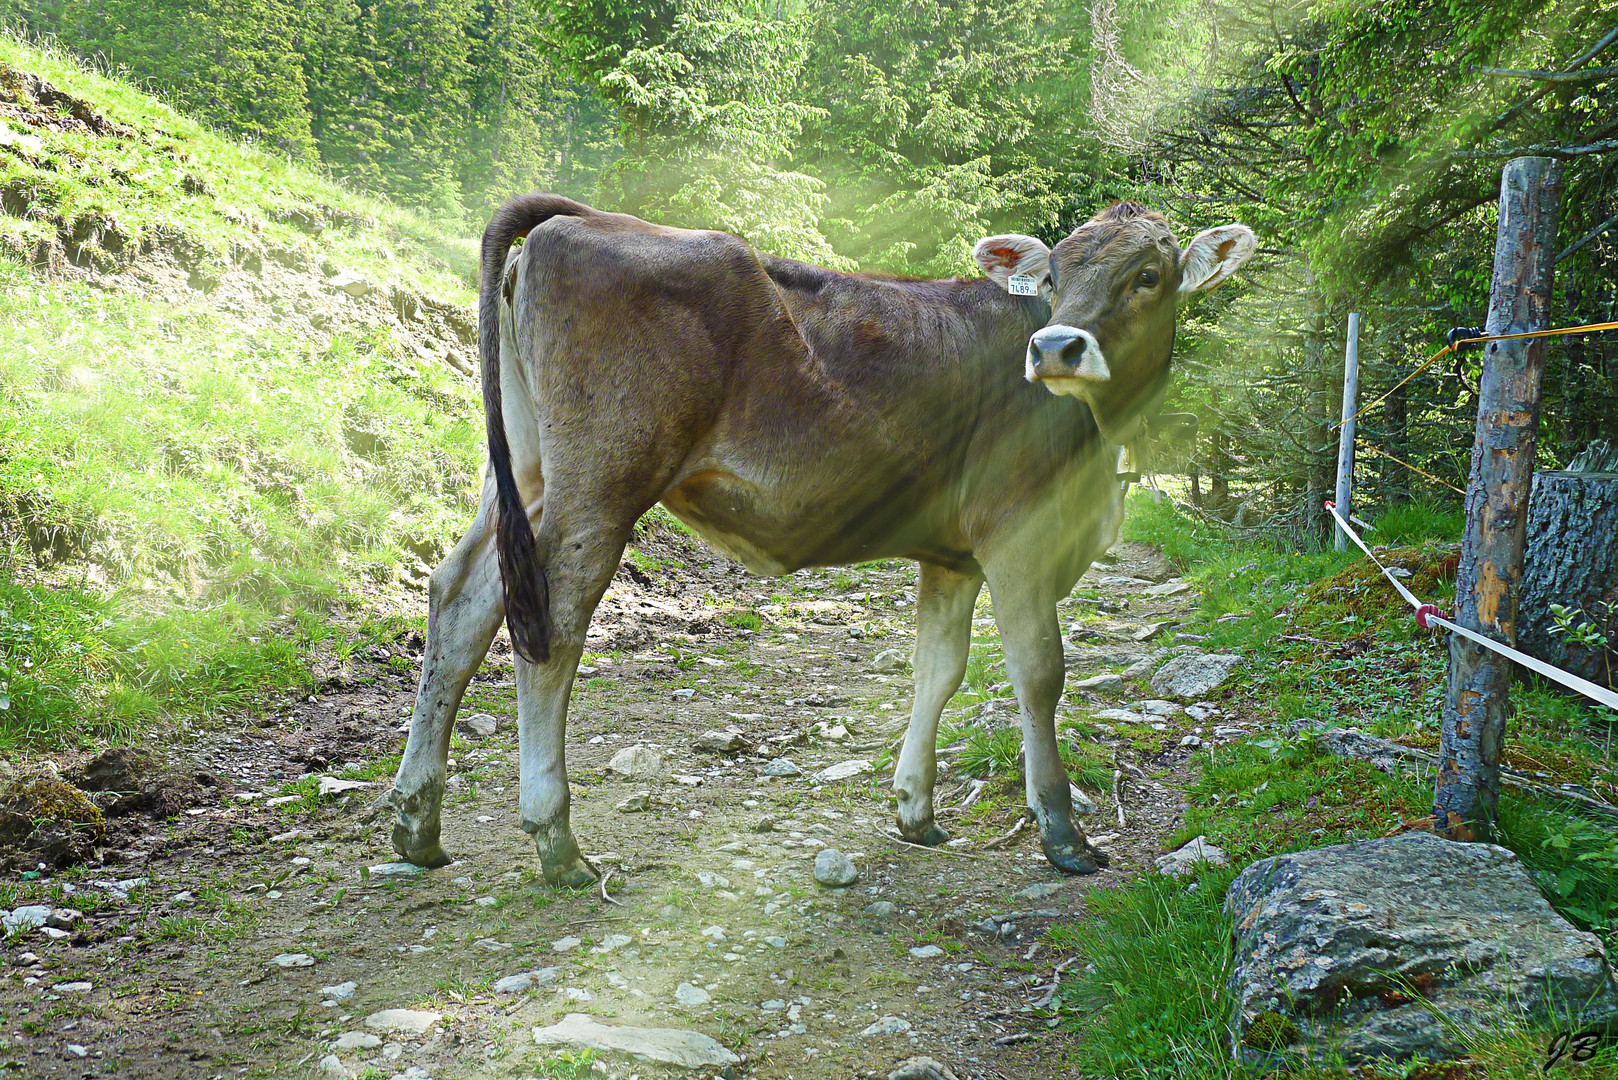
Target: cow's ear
{"x": 1011, "y": 256}
{"x": 1213, "y": 255}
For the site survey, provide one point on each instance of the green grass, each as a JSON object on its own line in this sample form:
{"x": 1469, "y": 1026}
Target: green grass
{"x": 188, "y": 501}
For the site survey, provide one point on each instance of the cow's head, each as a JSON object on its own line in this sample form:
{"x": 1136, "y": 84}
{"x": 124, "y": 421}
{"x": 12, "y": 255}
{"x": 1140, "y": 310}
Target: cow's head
{"x": 1112, "y": 285}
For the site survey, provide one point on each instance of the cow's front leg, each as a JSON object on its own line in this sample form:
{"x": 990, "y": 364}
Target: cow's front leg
{"x": 944, "y": 600}
{"x": 463, "y": 612}
{"x": 1026, "y": 615}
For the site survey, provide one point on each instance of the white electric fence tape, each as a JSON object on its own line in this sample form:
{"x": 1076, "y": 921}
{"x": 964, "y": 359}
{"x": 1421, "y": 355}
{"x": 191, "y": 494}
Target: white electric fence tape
{"x": 1428, "y": 615}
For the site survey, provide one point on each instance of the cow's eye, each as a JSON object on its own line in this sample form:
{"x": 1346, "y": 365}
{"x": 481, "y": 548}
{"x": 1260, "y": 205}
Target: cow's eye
{"x": 1147, "y": 279}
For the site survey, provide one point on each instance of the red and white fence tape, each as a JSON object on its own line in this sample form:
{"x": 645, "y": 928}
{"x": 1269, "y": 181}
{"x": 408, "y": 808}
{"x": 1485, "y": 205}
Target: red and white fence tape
{"x": 1430, "y": 615}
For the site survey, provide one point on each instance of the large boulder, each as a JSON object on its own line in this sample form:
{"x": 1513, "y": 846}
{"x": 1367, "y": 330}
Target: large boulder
{"x": 1336, "y": 948}
{"x": 1194, "y": 675}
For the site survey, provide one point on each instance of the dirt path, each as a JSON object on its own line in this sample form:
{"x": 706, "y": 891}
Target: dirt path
{"x": 238, "y": 935}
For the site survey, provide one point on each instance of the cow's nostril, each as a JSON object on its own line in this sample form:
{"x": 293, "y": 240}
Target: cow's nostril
{"x": 1060, "y": 343}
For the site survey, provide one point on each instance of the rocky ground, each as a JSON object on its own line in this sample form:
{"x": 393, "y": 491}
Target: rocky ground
{"x": 244, "y": 914}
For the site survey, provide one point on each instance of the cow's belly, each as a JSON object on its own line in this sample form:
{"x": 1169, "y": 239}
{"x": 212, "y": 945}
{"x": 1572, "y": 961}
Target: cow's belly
{"x": 774, "y": 532}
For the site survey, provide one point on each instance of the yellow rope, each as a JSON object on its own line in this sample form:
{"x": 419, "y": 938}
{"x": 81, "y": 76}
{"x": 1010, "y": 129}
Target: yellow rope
{"x": 1588, "y": 328}
{"x": 1412, "y": 468}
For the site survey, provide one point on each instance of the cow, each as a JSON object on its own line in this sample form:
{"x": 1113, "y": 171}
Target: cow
{"x": 795, "y": 416}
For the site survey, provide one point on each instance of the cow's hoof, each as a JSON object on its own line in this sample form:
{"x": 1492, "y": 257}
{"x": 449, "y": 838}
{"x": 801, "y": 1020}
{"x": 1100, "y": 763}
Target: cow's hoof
{"x": 406, "y": 842}
{"x": 931, "y": 836}
{"x": 579, "y": 875}
{"x": 1076, "y": 860}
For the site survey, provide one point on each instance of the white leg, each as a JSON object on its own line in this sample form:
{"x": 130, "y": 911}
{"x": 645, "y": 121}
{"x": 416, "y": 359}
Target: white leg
{"x": 944, "y": 600}
{"x": 463, "y": 612}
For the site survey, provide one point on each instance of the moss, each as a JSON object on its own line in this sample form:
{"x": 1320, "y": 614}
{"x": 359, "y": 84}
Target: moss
{"x": 1361, "y": 589}
{"x": 1270, "y": 1031}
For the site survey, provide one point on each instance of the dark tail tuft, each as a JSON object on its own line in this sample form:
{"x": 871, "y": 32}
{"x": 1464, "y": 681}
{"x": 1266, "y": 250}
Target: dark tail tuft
{"x": 522, "y": 574}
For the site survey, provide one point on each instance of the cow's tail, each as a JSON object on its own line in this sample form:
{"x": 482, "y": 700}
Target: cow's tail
{"x": 522, "y": 575}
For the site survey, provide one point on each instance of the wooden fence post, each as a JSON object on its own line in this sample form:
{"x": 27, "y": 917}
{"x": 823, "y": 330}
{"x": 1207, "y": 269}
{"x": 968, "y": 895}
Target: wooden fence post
{"x": 1345, "y": 434}
{"x": 1476, "y": 699}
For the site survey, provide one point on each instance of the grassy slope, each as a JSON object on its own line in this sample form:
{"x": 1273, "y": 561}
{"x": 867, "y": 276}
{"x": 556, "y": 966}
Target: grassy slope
{"x": 187, "y": 487}
{"x": 1371, "y": 667}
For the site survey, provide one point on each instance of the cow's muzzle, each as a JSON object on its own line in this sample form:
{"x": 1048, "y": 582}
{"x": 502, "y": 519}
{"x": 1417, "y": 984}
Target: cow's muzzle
{"x": 1066, "y": 359}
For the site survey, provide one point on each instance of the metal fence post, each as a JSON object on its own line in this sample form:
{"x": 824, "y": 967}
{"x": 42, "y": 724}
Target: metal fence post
{"x": 1345, "y": 435}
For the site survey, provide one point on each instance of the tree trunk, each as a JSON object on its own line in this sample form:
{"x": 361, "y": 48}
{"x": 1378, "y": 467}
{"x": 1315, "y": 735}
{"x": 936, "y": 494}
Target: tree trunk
{"x": 1572, "y": 559}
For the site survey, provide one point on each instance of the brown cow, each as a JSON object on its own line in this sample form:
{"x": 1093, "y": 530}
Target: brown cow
{"x": 796, "y": 417}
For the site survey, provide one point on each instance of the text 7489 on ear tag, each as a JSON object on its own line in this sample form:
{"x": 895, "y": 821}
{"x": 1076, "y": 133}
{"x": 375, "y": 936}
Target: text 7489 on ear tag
{"x": 1022, "y": 285}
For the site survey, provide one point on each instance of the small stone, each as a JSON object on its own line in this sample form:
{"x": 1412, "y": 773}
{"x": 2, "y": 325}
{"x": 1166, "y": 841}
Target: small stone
{"x": 1042, "y": 890}
{"x": 1140, "y": 668}
{"x": 683, "y": 695}
{"x": 1082, "y": 803}
{"x": 335, "y": 785}
{"x": 638, "y": 803}
{"x": 1171, "y": 587}
{"x": 711, "y": 880}
{"x": 356, "y": 1040}
{"x": 396, "y": 869}
{"x": 1150, "y": 630}
{"x": 1102, "y": 684}
{"x": 888, "y": 660}
{"x": 578, "y": 993}
{"x": 720, "y": 742}
{"x": 611, "y": 942}
{"x": 1191, "y": 742}
{"x": 293, "y": 960}
{"x": 77, "y": 987}
{"x": 1180, "y": 862}
{"x": 1194, "y": 675}
{"x": 926, "y": 952}
{"x": 843, "y": 770}
{"x": 566, "y": 944}
{"x": 478, "y": 726}
{"x": 764, "y": 824}
{"x": 636, "y": 762}
{"x": 525, "y": 980}
{"x": 888, "y": 1025}
{"x": 781, "y": 767}
{"x": 667, "y": 1046}
{"x": 349, "y": 282}
{"x": 402, "y": 1021}
{"x": 835, "y": 870}
{"x": 882, "y": 909}
{"x": 491, "y": 945}
{"x": 774, "y": 1005}
{"x": 78, "y": 1051}
{"x": 332, "y": 1065}
{"x": 776, "y": 942}
{"x": 689, "y": 995}
{"x": 63, "y": 918}
{"x": 341, "y": 992}
{"x": 25, "y": 918}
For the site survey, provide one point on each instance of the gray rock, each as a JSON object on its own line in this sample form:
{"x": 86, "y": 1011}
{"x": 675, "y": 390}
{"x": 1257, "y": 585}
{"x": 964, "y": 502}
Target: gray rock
{"x": 781, "y": 767}
{"x": 926, "y": 952}
{"x": 349, "y": 282}
{"x": 636, "y": 762}
{"x": 1180, "y": 862}
{"x": 478, "y": 726}
{"x": 356, "y": 1040}
{"x": 1171, "y": 587}
{"x": 1344, "y": 942}
{"x": 1150, "y": 630}
{"x": 1194, "y": 675}
{"x": 332, "y": 1065}
{"x": 341, "y": 991}
{"x": 889, "y": 660}
{"x": 1108, "y": 683}
{"x": 293, "y": 960}
{"x": 835, "y": 870}
{"x": 526, "y": 980}
{"x": 1140, "y": 668}
{"x": 1191, "y": 742}
{"x": 25, "y": 918}
{"x": 720, "y": 742}
{"x": 666, "y": 1046}
{"x": 1082, "y": 803}
{"x": 638, "y": 803}
{"x": 403, "y": 1021}
{"x": 1042, "y": 890}
{"x": 689, "y": 995}
{"x": 921, "y": 1068}
{"x": 64, "y": 918}
{"x": 888, "y": 1025}
{"x": 882, "y": 909}
{"x": 843, "y": 770}
{"x": 396, "y": 869}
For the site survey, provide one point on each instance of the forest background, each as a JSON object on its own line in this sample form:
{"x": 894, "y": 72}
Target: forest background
{"x": 1362, "y": 140}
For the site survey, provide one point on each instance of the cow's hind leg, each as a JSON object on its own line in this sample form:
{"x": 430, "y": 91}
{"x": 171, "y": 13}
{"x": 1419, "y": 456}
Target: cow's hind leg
{"x": 944, "y": 602}
{"x": 1025, "y": 611}
{"x": 581, "y": 552}
{"x": 463, "y": 613}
